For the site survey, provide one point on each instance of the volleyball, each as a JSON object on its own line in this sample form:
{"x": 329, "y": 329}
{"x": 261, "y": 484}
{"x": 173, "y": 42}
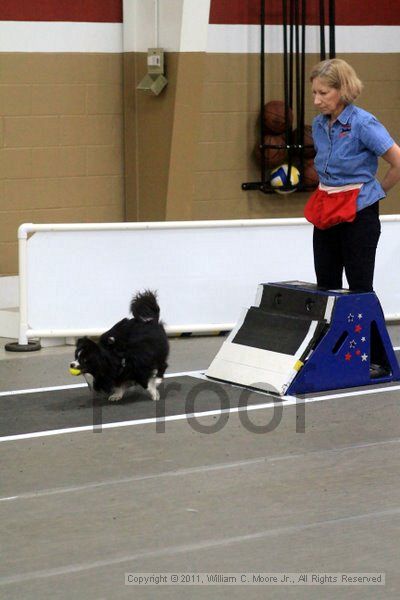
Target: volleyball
{"x": 280, "y": 178}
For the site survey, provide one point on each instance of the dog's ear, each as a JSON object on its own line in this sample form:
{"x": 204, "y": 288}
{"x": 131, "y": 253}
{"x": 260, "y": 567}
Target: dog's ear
{"x": 80, "y": 342}
{"x": 85, "y": 342}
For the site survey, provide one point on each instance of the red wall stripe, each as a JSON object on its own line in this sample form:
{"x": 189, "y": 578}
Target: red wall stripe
{"x": 348, "y": 12}
{"x": 98, "y": 11}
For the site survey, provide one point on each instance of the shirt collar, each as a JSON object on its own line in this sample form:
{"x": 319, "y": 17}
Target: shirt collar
{"x": 344, "y": 116}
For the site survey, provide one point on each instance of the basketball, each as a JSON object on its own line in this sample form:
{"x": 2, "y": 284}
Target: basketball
{"x": 310, "y": 175}
{"x": 309, "y": 150}
{"x": 280, "y": 178}
{"x": 272, "y": 156}
{"x": 274, "y": 116}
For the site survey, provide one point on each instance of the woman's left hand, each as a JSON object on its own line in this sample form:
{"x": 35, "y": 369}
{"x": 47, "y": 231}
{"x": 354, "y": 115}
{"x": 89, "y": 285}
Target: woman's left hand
{"x": 392, "y": 156}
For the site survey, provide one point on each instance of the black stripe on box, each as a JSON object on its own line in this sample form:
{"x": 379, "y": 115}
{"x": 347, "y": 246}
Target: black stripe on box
{"x": 274, "y": 332}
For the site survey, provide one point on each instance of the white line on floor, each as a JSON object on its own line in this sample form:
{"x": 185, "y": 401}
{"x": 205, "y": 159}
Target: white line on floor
{"x": 95, "y": 485}
{"x": 197, "y": 546}
{"x": 54, "y": 388}
{"x": 280, "y": 401}
{"x": 72, "y": 386}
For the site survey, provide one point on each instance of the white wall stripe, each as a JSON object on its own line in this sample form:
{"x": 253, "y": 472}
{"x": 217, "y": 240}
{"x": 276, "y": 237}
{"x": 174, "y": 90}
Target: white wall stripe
{"x": 244, "y": 39}
{"x": 194, "y": 32}
{"x": 42, "y": 36}
{"x": 193, "y": 36}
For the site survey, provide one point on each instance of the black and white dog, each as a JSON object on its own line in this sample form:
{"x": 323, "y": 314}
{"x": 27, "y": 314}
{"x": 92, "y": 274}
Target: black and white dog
{"x": 134, "y": 351}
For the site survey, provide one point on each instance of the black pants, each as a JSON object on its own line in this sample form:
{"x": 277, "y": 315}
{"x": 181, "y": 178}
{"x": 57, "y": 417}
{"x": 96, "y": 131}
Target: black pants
{"x": 348, "y": 246}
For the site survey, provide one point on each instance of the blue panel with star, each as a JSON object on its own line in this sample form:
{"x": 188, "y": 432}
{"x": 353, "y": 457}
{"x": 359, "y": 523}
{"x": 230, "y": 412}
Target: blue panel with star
{"x": 355, "y": 350}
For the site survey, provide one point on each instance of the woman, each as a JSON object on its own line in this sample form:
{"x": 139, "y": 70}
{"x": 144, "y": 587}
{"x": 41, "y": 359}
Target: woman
{"x": 345, "y": 208}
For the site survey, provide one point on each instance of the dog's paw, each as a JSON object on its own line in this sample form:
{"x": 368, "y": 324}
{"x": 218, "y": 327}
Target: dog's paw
{"x": 116, "y": 397}
{"x": 154, "y": 394}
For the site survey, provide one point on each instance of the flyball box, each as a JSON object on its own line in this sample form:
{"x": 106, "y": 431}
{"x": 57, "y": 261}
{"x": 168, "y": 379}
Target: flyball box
{"x": 299, "y": 339}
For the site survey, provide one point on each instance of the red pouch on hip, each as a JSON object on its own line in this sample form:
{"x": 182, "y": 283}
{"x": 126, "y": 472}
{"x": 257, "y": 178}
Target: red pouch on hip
{"x": 325, "y": 209}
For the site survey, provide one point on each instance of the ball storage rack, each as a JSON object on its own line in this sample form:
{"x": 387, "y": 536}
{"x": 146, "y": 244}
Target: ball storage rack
{"x": 294, "y": 51}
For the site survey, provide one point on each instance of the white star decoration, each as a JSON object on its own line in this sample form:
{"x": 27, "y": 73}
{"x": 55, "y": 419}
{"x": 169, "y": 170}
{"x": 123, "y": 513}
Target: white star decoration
{"x": 350, "y": 318}
{"x": 353, "y": 344}
{"x": 364, "y": 357}
{"x": 359, "y": 315}
{"x": 363, "y": 339}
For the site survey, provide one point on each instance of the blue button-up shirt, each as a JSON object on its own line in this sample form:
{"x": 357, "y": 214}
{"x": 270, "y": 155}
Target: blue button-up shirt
{"x": 347, "y": 152}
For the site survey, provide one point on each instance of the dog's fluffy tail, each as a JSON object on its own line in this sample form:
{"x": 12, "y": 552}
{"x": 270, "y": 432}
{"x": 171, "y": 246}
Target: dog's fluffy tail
{"x": 144, "y": 306}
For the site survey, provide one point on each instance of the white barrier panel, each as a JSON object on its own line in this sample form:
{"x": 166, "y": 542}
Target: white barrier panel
{"x": 78, "y": 279}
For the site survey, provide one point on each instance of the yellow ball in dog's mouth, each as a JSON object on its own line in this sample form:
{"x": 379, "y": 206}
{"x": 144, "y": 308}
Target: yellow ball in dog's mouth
{"x": 75, "y": 371}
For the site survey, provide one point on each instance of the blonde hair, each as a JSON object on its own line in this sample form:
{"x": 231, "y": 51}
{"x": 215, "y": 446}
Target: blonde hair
{"x": 338, "y": 74}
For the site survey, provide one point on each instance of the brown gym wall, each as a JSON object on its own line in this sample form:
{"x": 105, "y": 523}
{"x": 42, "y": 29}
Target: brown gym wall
{"x": 228, "y": 133}
{"x": 61, "y": 151}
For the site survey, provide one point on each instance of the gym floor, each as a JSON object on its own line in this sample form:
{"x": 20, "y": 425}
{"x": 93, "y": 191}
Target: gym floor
{"x": 288, "y": 487}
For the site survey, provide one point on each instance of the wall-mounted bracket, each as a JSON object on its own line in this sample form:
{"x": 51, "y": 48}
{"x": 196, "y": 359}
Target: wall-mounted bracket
{"x": 154, "y": 81}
